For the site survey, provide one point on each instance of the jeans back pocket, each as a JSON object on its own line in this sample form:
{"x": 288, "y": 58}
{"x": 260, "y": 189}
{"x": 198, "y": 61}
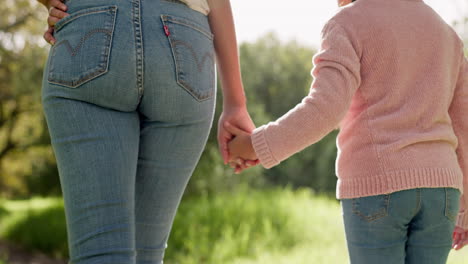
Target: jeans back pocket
{"x": 371, "y": 208}
{"x": 83, "y": 46}
{"x": 193, "y": 52}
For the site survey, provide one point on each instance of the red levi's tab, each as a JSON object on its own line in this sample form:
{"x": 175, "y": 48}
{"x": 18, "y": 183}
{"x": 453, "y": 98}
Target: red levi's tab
{"x": 166, "y": 30}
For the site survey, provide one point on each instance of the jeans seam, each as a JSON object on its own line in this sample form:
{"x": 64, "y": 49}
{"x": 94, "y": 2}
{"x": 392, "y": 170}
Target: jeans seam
{"x": 84, "y": 12}
{"x": 448, "y": 214}
{"x": 137, "y": 32}
{"x": 175, "y": 2}
{"x": 175, "y": 20}
{"x": 418, "y": 202}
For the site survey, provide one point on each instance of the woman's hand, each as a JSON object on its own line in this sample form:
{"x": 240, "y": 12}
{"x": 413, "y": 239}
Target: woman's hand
{"x": 239, "y": 117}
{"x": 57, "y": 11}
{"x": 460, "y": 238}
{"x": 240, "y": 147}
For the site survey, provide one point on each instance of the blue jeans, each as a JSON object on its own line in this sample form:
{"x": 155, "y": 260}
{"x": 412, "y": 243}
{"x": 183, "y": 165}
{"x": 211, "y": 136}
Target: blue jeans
{"x": 128, "y": 94}
{"x": 413, "y": 226}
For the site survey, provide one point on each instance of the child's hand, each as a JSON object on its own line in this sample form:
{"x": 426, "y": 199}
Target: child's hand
{"x": 460, "y": 238}
{"x": 240, "y": 148}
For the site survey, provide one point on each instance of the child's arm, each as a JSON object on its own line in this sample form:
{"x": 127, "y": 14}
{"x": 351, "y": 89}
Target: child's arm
{"x": 459, "y": 115}
{"x": 234, "y": 101}
{"x": 336, "y": 79}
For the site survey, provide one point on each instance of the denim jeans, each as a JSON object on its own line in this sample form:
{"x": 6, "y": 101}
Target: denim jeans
{"x": 128, "y": 93}
{"x": 412, "y": 226}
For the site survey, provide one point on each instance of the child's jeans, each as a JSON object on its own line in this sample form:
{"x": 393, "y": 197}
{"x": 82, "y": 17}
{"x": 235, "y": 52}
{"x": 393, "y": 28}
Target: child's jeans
{"x": 128, "y": 94}
{"x": 412, "y": 226}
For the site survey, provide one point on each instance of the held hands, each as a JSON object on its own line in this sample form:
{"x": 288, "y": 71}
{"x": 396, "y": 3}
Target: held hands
{"x": 241, "y": 151}
{"x": 57, "y": 11}
{"x": 460, "y": 238}
{"x": 238, "y": 117}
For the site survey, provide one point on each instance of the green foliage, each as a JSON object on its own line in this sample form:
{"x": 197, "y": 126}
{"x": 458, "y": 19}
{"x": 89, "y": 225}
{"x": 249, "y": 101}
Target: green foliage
{"x": 38, "y": 225}
{"x": 218, "y": 229}
{"x": 278, "y": 226}
{"x": 27, "y": 164}
{"x": 277, "y": 77}
{"x": 224, "y": 227}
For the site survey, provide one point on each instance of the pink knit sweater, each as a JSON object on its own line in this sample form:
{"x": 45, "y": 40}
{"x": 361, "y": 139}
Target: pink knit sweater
{"x": 393, "y": 77}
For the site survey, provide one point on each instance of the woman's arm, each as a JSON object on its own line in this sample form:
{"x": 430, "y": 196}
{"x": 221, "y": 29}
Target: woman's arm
{"x": 227, "y": 55}
{"x": 222, "y": 26}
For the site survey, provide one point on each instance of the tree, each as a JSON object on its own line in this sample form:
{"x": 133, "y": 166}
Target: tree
{"x": 277, "y": 77}
{"x": 26, "y": 159}
{"x": 461, "y": 24}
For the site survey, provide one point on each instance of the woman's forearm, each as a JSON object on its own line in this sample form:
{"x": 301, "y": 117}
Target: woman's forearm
{"x": 222, "y": 25}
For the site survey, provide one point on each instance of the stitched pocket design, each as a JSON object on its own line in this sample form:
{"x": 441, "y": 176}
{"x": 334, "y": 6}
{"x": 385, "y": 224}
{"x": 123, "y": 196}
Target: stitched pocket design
{"x": 193, "y": 52}
{"x": 371, "y": 208}
{"x": 82, "y": 51}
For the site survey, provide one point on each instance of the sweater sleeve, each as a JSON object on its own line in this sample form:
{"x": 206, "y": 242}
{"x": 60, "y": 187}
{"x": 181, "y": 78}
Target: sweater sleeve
{"x": 336, "y": 75}
{"x": 458, "y": 113}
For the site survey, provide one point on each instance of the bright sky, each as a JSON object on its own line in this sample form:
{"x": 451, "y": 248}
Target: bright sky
{"x": 303, "y": 19}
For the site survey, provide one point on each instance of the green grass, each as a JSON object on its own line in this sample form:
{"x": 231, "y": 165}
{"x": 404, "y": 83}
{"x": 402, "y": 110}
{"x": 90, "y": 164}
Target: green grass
{"x": 249, "y": 224}
{"x": 246, "y": 227}
{"x": 37, "y": 224}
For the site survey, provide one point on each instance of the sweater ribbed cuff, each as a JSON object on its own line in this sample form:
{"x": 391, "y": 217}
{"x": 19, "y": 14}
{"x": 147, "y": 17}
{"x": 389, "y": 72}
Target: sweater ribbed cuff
{"x": 462, "y": 220}
{"x": 262, "y": 149}
{"x": 358, "y": 186}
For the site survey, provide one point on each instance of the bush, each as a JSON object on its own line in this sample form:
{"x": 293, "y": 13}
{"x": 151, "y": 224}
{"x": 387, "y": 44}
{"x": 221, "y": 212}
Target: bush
{"x": 40, "y": 228}
{"x": 241, "y": 224}
{"x": 3, "y": 212}
{"x": 248, "y": 226}
{"x": 208, "y": 229}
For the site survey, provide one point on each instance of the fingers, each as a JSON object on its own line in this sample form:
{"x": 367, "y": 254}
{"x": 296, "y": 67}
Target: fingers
{"x": 56, "y": 12}
{"x": 223, "y": 138}
{"x": 224, "y": 152}
{"x": 233, "y": 130}
{"x": 460, "y": 245}
{"x": 460, "y": 238}
{"x": 51, "y": 21}
{"x": 251, "y": 163}
{"x": 48, "y": 36}
{"x": 235, "y": 163}
{"x": 240, "y": 165}
{"x": 57, "y": 4}
{"x": 462, "y": 242}
{"x": 456, "y": 240}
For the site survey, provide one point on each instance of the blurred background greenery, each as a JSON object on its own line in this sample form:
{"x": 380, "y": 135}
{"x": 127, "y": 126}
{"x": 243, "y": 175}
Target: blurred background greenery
{"x": 284, "y": 215}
